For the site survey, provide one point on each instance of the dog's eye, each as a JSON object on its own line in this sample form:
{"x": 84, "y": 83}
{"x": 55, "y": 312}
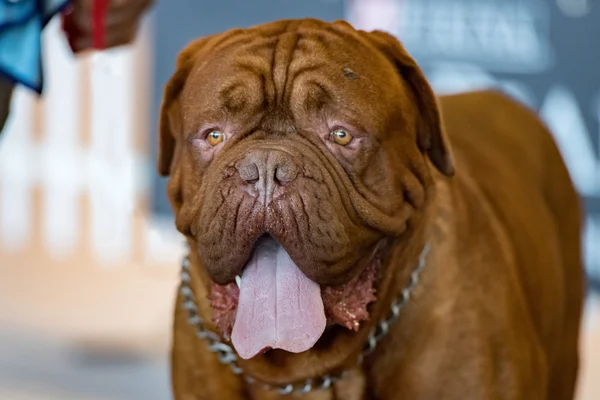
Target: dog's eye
{"x": 341, "y": 137}
{"x": 215, "y": 137}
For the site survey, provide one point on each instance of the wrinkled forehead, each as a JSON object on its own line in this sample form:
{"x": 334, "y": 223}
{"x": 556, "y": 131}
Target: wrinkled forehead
{"x": 305, "y": 69}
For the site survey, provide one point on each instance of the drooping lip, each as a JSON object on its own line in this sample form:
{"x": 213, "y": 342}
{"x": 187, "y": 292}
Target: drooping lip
{"x": 374, "y": 256}
{"x": 357, "y": 267}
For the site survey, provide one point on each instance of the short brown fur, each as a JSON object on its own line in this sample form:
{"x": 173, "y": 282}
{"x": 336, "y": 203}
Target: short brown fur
{"x": 497, "y": 313}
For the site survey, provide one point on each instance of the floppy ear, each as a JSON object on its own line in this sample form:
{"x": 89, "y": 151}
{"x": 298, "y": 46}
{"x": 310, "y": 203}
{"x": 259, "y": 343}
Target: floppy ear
{"x": 170, "y": 121}
{"x": 431, "y": 135}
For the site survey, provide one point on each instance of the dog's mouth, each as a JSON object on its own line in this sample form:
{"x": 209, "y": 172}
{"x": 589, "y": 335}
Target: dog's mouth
{"x": 273, "y": 305}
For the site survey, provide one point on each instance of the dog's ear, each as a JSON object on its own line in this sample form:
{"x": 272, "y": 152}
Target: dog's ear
{"x": 431, "y": 135}
{"x": 170, "y": 120}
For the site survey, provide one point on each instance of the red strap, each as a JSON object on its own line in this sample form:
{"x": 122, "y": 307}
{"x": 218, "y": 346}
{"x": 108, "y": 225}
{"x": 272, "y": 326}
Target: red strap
{"x": 99, "y": 9}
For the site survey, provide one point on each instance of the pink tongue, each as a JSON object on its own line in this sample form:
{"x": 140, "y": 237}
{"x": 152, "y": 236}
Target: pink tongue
{"x": 279, "y": 307}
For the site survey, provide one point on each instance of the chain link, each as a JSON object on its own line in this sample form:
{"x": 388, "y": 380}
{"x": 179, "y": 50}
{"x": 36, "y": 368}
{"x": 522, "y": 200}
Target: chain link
{"x": 228, "y": 356}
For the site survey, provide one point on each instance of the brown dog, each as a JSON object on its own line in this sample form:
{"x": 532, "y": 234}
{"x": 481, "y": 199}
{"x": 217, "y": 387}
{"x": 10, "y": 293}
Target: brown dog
{"x": 310, "y": 160}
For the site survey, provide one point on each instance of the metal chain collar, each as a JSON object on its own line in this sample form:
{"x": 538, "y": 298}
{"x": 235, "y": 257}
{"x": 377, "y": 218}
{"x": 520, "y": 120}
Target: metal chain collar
{"x": 228, "y": 356}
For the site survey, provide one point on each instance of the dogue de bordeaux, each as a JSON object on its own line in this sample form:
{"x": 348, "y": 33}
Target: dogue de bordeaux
{"x": 353, "y": 236}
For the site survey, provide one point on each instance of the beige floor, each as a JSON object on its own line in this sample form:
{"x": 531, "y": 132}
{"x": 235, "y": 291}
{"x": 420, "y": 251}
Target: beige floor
{"x": 589, "y": 388}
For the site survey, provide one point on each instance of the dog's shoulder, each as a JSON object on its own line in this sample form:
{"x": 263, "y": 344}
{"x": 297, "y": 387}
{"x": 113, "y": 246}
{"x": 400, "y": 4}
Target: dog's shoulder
{"x": 491, "y": 132}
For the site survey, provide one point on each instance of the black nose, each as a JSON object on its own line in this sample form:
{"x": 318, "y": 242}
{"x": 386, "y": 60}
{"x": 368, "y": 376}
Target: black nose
{"x": 267, "y": 170}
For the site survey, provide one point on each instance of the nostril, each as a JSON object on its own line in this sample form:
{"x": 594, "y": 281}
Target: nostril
{"x": 285, "y": 174}
{"x": 249, "y": 173}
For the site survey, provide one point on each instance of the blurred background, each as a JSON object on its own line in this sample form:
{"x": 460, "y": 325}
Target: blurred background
{"x": 89, "y": 256}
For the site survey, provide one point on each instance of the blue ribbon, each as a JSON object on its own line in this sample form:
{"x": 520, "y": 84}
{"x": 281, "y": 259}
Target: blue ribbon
{"x": 21, "y": 25}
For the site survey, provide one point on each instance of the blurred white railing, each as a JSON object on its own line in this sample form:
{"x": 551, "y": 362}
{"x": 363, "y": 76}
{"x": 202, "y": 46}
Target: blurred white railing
{"x": 82, "y": 152}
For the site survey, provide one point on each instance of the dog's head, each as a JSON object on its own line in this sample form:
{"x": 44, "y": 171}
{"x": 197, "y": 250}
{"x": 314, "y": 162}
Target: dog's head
{"x": 294, "y": 149}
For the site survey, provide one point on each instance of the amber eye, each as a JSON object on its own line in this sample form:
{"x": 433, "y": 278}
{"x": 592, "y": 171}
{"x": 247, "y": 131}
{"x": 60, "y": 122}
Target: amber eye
{"x": 341, "y": 137}
{"x": 215, "y": 137}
